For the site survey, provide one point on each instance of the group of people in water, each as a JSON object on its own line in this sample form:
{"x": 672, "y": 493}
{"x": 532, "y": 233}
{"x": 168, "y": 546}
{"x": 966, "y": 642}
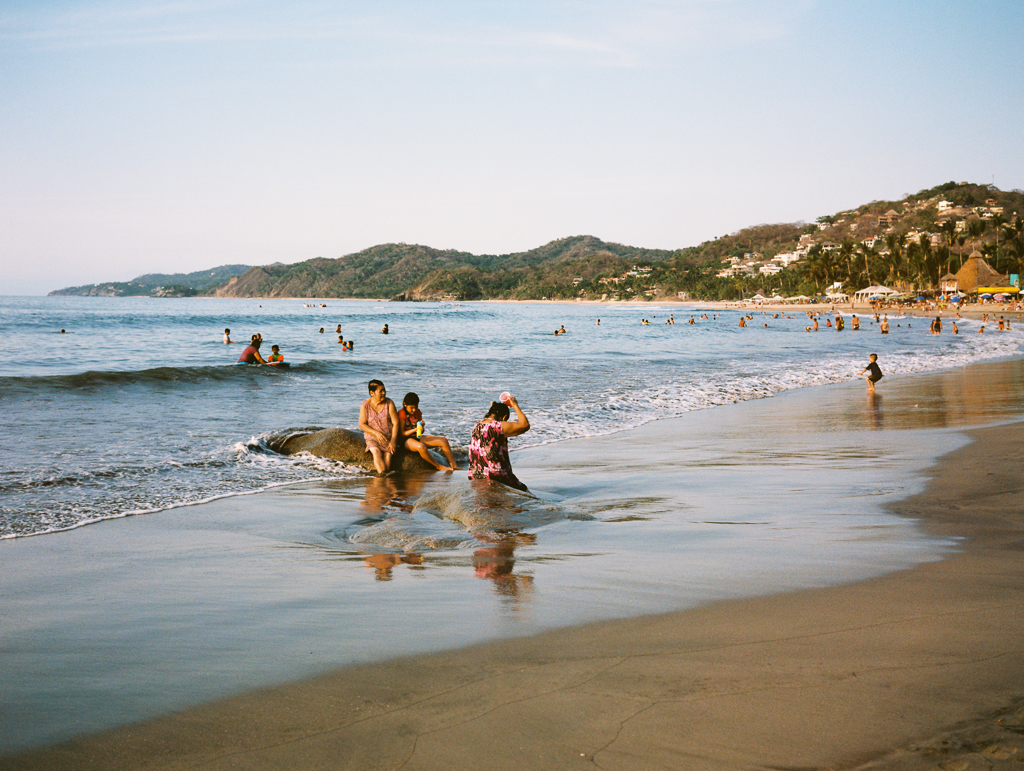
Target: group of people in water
{"x": 387, "y": 429}
{"x": 251, "y": 354}
{"x": 935, "y": 327}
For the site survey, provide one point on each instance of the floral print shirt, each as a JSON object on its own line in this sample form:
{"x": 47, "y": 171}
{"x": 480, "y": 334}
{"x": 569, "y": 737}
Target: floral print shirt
{"x": 488, "y": 455}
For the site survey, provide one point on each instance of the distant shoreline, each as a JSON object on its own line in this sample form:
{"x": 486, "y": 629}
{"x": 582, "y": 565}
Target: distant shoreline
{"x": 967, "y": 310}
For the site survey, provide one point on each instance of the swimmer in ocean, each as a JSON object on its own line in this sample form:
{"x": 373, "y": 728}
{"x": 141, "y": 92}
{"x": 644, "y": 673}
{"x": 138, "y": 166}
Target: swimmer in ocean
{"x": 251, "y": 355}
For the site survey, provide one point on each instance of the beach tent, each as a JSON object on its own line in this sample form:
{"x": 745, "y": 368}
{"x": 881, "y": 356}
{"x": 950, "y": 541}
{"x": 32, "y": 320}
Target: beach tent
{"x": 873, "y": 292}
{"x": 838, "y": 297}
{"x": 759, "y": 298}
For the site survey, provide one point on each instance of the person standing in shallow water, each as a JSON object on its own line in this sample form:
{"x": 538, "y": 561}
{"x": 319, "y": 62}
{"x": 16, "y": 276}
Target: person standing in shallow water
{"x": 875, "y": 372}
{"x": 488, "y": 444}
{"x": 378, "y": 420}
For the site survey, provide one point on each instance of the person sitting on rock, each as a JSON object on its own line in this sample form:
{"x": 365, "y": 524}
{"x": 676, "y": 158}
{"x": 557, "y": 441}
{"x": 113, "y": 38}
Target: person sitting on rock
{"x": 417, "y": 441}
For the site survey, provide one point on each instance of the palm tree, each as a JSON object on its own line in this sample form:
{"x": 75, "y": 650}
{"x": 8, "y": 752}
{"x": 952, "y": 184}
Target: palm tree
{"x": 997, "y": 224}
{"x": 1014, "y": 234}
{"x": 976, "y": 229}
{"x": 869, "y": 253}
{"x": 896, "y": 242}
{"x": 948, "y": 230}
{"x": 822, "y": 267}
{"x": 847, "y": 248}
{"x": 915, "y": 263}
{"x": 961, "y": 239}
{"x": 926, "y": 262}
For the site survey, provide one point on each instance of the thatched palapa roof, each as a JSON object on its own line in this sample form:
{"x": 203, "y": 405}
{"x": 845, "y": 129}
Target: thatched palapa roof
{"x": 976, "y": 272}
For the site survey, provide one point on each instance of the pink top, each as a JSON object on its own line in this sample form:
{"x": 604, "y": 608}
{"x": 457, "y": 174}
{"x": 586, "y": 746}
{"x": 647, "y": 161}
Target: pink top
{"x": 379, "y": 420}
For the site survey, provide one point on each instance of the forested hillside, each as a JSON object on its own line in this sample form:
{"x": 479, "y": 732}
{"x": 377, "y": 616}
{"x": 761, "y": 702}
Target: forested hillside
{"x": 909, "y": 244}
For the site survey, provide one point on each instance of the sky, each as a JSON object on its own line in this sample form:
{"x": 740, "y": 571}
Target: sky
{"x": 179, "y": 135}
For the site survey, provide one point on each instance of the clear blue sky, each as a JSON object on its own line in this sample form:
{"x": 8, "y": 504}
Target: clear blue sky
{"x": 181, "y": 135}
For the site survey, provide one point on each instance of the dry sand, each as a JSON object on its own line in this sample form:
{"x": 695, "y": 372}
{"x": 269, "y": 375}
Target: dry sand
{"x": 913, "y": 670}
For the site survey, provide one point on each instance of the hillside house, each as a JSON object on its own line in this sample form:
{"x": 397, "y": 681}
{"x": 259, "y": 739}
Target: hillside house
{"x": 786, "y": 258}
{"x": 888, "y": 219}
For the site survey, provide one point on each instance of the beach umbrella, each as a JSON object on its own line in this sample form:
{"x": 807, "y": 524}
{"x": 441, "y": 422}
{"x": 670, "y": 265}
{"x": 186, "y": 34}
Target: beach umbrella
{"x": 987, "y": 296}
{"x": 956, "y": 299}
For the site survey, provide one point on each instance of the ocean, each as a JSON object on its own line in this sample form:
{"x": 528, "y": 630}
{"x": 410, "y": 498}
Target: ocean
{"x": 138, "y": 406}
{"x": 155, "y": 553}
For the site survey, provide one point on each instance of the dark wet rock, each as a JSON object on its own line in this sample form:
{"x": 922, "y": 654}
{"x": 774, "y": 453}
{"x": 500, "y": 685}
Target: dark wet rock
{"x": 344, "y": 445}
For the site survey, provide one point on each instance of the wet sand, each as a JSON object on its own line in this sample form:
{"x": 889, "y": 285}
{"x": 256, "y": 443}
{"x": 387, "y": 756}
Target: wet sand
{"x": 916, "y": 669}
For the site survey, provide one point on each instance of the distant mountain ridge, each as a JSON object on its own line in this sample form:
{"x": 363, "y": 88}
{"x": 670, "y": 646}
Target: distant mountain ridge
{"x": 414, "y": 272}
{"x": 158, "y": 284}
{"x": 911, "y": 243}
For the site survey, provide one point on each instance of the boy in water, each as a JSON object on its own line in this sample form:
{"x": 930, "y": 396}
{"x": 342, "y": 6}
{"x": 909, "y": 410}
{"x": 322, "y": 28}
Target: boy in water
{"x": 408, "y": 417}
{"x": 875, "y": 370}
{"x": 275, "y": 355}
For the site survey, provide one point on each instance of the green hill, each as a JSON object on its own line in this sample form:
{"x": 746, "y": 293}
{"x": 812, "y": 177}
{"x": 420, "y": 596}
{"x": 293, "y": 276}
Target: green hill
{"x": 416, "y": 272}
{"x": 158, "y": 284}
{"x": 908, "y": 243}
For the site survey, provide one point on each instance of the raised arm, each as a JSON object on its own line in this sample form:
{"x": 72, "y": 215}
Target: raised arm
{"x": 521, "y": 426}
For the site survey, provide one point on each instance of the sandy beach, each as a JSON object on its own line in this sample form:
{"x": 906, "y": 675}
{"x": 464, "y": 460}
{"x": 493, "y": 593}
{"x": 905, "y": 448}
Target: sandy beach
{"x": 919, "y": 668}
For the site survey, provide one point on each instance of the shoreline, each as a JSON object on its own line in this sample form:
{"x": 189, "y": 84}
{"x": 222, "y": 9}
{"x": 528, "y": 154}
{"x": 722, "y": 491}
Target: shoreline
{"x": 970, "y": 310}
{"x": 831, "y": 677}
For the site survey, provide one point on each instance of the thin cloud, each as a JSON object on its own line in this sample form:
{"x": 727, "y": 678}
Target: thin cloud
{"x": 605, "y": 31}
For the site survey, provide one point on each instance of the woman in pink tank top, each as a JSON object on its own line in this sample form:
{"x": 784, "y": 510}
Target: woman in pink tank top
{"x": 378, "y": 420}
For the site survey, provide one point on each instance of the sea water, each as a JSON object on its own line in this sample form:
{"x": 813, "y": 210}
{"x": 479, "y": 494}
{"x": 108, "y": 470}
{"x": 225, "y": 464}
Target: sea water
{"x": 121, "y": 598}
{"x": 138, "y": 406}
